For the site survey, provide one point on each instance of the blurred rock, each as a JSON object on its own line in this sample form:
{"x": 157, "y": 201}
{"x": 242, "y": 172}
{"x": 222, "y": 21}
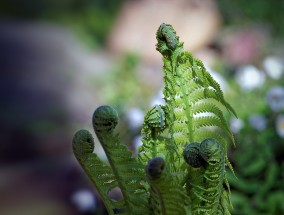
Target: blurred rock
{"x": 196, "y": 22}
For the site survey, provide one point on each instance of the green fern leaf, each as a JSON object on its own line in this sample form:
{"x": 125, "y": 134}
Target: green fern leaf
{"x": 207, "y": 161}
{"x": 128, "y": 171}
{"x": 166, "y": 196}
{"x": 204, "y": 121}
{"x": 189, "y": 91}
{"x": 188, "y": 85}
{"x": 153, "y": 126}
{"x": 99, "y": 173}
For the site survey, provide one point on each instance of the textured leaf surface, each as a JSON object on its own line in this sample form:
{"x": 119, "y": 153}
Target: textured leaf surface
{"x": 208, "y": 195}
{"x": 128, "y": 171}
{"x": 166, "y": 195}
{"x": 99, "y": 173}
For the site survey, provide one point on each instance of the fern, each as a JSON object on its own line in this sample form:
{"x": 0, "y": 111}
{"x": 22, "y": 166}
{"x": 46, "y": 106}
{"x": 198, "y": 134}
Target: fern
{"x": 208, "y": 195}
{"x": 153, "y": 127}
{"x": 180, "y": 168}
{"x": 166, "y": 196}
{"x": 188, "y": 91}
{"x": 100, "y": 174}
{"x": 128, "y": 172}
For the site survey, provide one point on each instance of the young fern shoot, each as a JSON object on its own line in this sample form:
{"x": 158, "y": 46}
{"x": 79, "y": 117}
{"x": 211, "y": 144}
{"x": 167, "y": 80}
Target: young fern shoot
{"x": 181, "y": 166}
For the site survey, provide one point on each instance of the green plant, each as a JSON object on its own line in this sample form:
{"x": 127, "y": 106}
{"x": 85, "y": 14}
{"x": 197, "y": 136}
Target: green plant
{"x": 173, "y": 173}
{"x": 258, "y": 159}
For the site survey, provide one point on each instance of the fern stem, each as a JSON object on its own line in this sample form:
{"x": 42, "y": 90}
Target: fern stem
{"x": 161, "y": 201}
{"x": 83, "y": 146}
{"x": 120, "y": 159}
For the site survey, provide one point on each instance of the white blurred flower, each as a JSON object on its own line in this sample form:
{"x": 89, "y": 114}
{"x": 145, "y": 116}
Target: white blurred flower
{"x": 275, "y": 98}
{"x": 137, "y": 142}
{"x": 84, "y": 200}
{"x": 158, "y": 99}
{"x": 273, "y": 67}
{"x": 135, "y": 117}
{"x": 219, "y": 78}
{"x": 249, "y": 77}
{"x": 280, "y": 125}
{"x": 258, "y": 122}
{"x": 236, "y": 125}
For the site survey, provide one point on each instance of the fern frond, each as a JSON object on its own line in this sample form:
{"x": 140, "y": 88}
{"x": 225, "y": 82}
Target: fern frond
{"x": 219, "y": 92}
{"x": 210, "y": 108}
{"x": 128, "y": 171}
{"x": 204, "y": 121}
{"x": 204, "y": 133}
{"x": 166, "y": 196}
{"x": 214, "y": 84}
{"x": 225, "y": 204}
{"x": 230, "y": 166}
{"x": 179, "y": 180}
{"x": 209, "y": 93}
{"x": 208, "y": 195}
{"x": 153, "y": 126}
{"x": 99, "y": 173}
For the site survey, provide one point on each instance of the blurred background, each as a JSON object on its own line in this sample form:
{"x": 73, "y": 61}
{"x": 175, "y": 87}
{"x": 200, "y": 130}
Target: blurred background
{"x": 59, "y": 60}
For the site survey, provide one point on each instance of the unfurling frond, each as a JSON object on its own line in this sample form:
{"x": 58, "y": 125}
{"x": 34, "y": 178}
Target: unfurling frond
{"x": 205, "y": 180}
{"x": 166, "y": 195}
{"x": 194, "y": 101}
{"x": 128, "y": 171}
{"x": 180, "y": 167}
{"x": 99, "y": 173}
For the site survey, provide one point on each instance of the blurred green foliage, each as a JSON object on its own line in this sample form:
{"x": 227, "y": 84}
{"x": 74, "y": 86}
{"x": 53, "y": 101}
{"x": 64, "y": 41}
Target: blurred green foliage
{"x": 258, "y": 158}
{"x": 125, "y": 91}
{"x": 90, "y": 19}
{"x": 240, "y": 12}
{"x": 125, "y": 87}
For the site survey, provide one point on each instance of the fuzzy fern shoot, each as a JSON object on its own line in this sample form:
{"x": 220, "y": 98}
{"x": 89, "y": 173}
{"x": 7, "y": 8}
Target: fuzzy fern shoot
{"x": 181, "y": 166}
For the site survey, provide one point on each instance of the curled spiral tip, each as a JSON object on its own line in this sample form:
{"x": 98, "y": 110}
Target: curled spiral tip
{"x": 167, "y": 38}
{"x": 83, "y": 143}
{"x": 105, "y": 119}
{"x": 155, "y": 167}
{"x": 192, "y": 155}
{"x": 155, "y": 118}
{"x": 208, "y": 147}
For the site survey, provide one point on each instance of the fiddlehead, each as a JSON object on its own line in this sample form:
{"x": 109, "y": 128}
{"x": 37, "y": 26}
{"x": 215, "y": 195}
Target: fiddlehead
{"x": 155, "y": 168}
{"x": 83, "y": 143}
{"x": 167, "y": 39}
{"x": 105, "y": 119}
{"x": 211, "y": 151}
{"x": 155, "y": 119}
{"x": 192, "y": 155}
{"x": 153, "y": 126}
